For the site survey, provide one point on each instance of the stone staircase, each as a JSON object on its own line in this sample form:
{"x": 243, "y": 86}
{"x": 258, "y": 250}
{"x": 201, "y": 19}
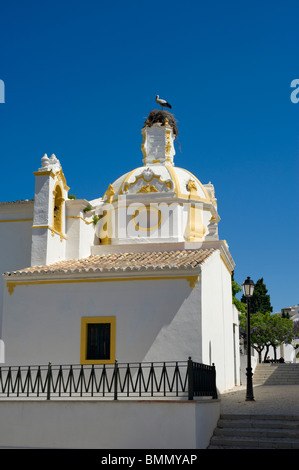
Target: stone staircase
{"x": 256, "y": 432}
{"x": 276, "y": 374}
{"x": 261, "y": 431}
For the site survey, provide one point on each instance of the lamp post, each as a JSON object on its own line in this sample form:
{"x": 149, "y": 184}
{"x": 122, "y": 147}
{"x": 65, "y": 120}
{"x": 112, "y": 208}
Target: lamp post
{"x": 248, "y": 289}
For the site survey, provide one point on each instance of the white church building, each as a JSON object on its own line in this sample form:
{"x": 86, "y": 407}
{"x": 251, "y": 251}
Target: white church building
{"x": 137, "y": 276}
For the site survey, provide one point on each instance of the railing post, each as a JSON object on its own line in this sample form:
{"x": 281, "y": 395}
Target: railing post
{"x": 71, "y": 378}
{"x": 128, "y": 375}
{"x": 190, "y": 379}
{"x": 49, "y": 374}
{"x": 176, "y": 372}
{"x": 81, "y": 377}
{"x": 115, "y": 380}
{"x": 152, "y": 371}
{"x": 164, "y": 379}
{"x": 215, "y": 395}
{"x": 8, "y": 379}
{"x": 140, "y": 376}
{"x": 92, "y": 375}
{"x": 19, "y": 378}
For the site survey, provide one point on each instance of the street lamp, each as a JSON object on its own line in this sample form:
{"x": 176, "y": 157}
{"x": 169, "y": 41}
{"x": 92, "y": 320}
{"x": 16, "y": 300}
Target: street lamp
{"x": 248, "y": 289}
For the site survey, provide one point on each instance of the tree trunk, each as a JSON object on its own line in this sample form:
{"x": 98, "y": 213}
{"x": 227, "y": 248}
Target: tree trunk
{"x": 266, "y": 353}
{"x": 274, "y": 350}
{"x": 259, "y": 350}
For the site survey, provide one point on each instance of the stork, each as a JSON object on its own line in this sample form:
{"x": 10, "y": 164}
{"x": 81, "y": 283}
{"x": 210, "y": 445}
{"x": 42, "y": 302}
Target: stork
{"x": 163, "y": 103}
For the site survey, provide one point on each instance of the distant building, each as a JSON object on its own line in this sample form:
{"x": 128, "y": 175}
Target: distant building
{"x": 292, "y": 312}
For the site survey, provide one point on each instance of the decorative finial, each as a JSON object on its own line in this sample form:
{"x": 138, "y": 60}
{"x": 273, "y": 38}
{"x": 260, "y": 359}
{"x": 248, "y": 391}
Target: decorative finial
{"x": 45, "y": 160}
{"x": 50, "y": 163}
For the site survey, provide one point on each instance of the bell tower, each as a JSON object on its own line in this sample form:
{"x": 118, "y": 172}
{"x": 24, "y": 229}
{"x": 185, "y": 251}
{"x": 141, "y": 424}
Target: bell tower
{"x": 48, "y": 230}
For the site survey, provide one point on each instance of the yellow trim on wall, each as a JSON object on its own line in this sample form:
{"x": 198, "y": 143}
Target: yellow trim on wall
{"x": 208, "y": 199}
{"x": 85, "y": 321}
{"x": 79, "y": 217}
{"x": 53, "y": 231}
{"x": 178, "y": 192}
{"x": 12, "y": 284}
{"x": 59, "y": 174}
{"x": 44, "y": 173}
{"x": 195, "y": 229}
{"x": 143, "y": 145}
{"x": 147, "y": 208}
{"x": 225, "y": 264}
{"x": 16, "y": 220}
{"x": 127, "y": 179}
{"x": 58, "y": 208}
{"x": 127, "y": 185}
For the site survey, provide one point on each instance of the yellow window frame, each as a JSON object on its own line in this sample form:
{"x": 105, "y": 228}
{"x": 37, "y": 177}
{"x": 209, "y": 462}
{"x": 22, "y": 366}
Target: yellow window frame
{"x": 85, "y": 321}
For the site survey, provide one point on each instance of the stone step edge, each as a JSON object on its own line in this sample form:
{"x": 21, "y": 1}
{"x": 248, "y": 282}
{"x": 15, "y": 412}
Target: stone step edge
{"x": 256, "y": 432}
{"x": 259, "y": 442}
{"x": 259, "y": 417}
{"x": 258, "y": 424}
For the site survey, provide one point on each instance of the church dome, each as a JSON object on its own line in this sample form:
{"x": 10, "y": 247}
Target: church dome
{"x": 158, "y": 202}
{"x": 159, "y": 181}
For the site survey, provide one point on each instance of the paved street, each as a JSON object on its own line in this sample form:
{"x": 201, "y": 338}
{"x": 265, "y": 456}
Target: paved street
{"x": 269, "y": 399}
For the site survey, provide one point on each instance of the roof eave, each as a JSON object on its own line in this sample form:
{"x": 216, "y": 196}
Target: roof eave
{"x": 103, "y": 274}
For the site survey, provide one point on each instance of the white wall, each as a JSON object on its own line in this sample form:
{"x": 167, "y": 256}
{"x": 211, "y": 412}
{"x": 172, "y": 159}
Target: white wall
{"x": 179, "y": 336}
{"x": 15, "y": 243}
{"x": 108, "y": 425}
{"x": 217, "y": 321}
{"x": 155, "y": 320}
{"x": 236, "y": 346}
{"x": 80, "y": 229}
{"x": 284, "y": 350}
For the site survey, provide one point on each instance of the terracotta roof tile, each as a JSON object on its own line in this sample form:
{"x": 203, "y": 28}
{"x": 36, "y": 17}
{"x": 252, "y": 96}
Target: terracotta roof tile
{"x": 158, "y": 260}
{"x": 23, "y": 201}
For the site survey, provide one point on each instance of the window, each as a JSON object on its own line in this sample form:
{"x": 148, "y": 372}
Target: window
{"x": 97, "y": 340}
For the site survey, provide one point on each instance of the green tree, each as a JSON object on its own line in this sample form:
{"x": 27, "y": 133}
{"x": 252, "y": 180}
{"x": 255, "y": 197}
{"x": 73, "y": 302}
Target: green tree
{"x": 259, "y": 331}
{"x": 260, "y": 301}
{"x": 281, "y": 331}
{"x": 267, "y": 330}
{"x": 296, "y": 329}
{"x": 236, "y": 288}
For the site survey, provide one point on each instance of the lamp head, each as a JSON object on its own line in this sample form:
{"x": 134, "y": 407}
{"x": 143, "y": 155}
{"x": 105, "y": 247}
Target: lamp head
{"x": 248, "y": 287}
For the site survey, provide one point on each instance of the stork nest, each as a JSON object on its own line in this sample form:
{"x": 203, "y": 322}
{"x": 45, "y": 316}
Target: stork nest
{"x": 160, "y": 116}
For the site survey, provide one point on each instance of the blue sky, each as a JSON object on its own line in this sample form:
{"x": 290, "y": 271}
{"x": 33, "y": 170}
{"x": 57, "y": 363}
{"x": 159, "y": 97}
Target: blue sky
{"x": 81, "y": 77}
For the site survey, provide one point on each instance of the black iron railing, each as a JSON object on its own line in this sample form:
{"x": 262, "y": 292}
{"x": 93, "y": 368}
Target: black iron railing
{"x": 119, "y": 380}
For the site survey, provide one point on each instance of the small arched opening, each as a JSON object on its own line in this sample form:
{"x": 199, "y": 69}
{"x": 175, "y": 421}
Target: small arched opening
{"x": 57, "y": 211}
